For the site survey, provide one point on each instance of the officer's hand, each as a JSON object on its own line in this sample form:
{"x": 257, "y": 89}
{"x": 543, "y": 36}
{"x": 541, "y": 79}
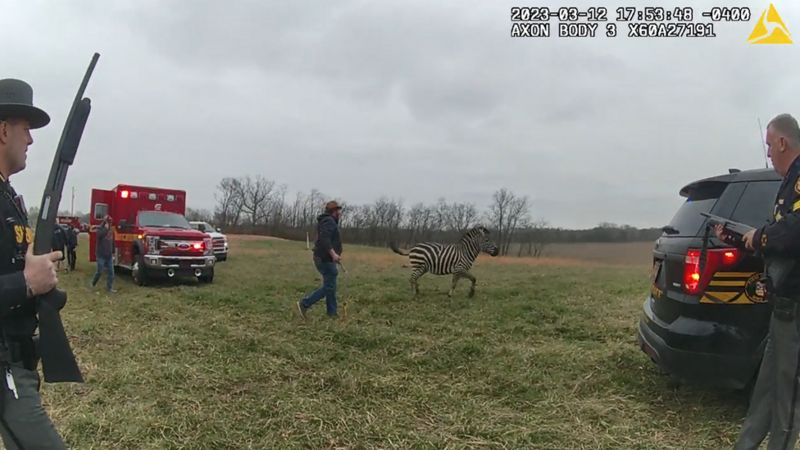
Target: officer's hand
{"x": 336, "y": 257}
{"x": 719, "y": 231}
{"x": 40, "y": 272}
{"x": 748, "y": 239}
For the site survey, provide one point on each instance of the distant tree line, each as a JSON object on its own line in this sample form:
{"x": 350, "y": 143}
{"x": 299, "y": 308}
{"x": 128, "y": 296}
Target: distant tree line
{"x": 257, "y": 205}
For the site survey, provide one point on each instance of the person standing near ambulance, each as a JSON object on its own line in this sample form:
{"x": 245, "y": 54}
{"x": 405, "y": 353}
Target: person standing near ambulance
{"x": 104, "y": 252}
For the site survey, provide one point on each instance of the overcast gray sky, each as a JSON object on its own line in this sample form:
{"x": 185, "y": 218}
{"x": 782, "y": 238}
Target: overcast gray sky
{"x": 414, "y": 100}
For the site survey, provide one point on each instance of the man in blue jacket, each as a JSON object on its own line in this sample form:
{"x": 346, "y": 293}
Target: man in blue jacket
{"x": 327, "y": 253}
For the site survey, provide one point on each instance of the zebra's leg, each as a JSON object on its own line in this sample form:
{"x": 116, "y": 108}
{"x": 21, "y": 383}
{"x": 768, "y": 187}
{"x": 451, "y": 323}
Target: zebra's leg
{"x": 415, "y": 274}
{"x": 456, "y": 277}
{"x": 471, "y": 278}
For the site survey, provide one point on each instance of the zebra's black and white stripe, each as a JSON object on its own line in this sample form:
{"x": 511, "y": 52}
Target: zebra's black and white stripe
{"x": 445, "y": 259}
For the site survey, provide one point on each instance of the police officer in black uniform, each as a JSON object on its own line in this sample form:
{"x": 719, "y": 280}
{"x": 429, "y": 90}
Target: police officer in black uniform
{"x": 23, "y": 422}
{"x": 776, "y": 395}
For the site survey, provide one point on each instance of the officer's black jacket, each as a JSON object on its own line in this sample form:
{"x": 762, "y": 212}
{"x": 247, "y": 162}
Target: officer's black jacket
{"x": 17, "y": 311}
{"x": 780, "y": 238}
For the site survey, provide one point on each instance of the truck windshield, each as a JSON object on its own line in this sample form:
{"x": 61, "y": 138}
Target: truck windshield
{"x": 162, "y": 219}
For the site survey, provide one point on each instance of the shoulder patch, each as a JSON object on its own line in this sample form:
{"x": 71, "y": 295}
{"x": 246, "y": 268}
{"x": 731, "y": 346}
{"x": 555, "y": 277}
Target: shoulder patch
{"x": 797, "y": 186}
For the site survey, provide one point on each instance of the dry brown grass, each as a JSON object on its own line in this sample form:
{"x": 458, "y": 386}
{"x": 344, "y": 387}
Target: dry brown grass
{"x": 562, "y": 254}
{"x": 616, "y": 253}
{"x": 251, "y": 237}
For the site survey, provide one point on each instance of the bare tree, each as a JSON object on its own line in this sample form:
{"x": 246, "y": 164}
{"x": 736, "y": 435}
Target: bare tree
{"x": 203, "y": 215}
{"x": 229, "y": 202}
{"x": 506, "y": 213}
{"x": 498, "y": 213}
{"x": 296, "y": 211}
{"x": 461, "y": 216}
{"x": 255, "y": 198}
{"x": 277, "y": 208}
{"x": 518, "y": 217}
{"x": 414, "y": 223}
{"x": 532, "y": 238}
{"x": 538, "y": 240}
{"x": 312, "y": 207}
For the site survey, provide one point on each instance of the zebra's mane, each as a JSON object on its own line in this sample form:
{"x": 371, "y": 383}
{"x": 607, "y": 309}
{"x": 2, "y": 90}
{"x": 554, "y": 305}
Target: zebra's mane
{"x": 474, "y": 234}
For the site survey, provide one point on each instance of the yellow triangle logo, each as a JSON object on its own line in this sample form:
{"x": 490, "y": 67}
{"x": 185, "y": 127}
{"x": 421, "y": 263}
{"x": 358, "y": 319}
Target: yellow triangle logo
{"x": 770, "y": 29}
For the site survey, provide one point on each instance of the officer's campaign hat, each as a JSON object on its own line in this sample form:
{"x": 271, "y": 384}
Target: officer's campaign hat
{"x": 16, "y": 102}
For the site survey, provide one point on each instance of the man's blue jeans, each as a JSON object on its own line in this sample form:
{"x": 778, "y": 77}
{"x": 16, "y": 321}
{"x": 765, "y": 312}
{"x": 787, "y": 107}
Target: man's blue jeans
{"x": 107, "y": 265}
{"x": 329, "y": 272}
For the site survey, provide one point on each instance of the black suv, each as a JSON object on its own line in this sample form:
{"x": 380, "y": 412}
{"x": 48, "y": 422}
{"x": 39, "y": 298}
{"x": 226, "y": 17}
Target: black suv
{"x": 710, "y": 327}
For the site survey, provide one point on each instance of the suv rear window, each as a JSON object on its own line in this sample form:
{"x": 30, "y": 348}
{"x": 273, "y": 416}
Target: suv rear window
{"x": 701, "y": 199}
{"x": 757, "y": 202}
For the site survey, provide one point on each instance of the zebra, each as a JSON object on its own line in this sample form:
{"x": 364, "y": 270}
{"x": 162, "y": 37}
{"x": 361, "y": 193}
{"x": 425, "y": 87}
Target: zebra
{"x": 445, "y": 259}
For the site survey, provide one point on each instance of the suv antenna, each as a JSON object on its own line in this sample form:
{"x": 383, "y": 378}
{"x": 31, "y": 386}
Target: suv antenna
{"x": 761, "y": 131}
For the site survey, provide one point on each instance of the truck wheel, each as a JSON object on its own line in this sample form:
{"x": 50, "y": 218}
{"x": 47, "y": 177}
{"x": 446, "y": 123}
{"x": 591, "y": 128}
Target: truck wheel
{"x": 139, "y": 271}
{"x": 208, "y": 277}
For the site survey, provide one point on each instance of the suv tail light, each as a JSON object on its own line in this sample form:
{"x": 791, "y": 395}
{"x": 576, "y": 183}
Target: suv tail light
{"x": 695, "y": 282}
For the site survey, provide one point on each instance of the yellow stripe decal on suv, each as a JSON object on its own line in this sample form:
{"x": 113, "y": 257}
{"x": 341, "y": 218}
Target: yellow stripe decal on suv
{"x": 733, "y": 274}
{"x": 721, "y": 296}
{"x": 727, "y": 283}
{"x": 728, "y": 298}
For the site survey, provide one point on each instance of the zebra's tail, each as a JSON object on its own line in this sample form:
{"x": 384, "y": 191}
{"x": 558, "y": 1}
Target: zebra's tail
{"x": 396, "y": 249}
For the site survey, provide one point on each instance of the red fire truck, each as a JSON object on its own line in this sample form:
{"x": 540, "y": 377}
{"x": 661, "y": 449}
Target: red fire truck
{"x": 74, "y": 221}
{"x": 151, "y": 235}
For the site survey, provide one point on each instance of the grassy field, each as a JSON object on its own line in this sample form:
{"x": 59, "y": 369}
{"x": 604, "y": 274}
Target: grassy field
{"x": 543, "y": 357}
{"x": 636, "y": 253}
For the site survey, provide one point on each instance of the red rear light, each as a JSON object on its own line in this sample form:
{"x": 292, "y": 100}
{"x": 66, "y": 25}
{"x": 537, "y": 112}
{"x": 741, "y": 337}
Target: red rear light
{"x": 124, "y": 194}
{"x": 729, "y": 257}
{"x": 691, "y": 272}
{"x": 716, "y": 259}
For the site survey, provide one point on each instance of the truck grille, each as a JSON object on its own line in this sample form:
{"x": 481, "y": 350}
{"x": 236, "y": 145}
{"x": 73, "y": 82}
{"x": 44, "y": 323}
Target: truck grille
{"x": 218, "y": 244}
{"x": 183, "y": 263}
{"x": 175, "y": 247}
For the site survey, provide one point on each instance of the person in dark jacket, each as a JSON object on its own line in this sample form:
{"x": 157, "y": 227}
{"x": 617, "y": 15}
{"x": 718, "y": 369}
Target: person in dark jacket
{"x": 327, "y": 254}
{"x": 72, "y": 243}
{"x": 775, "y": 404}
{"x": 59, "y": 242}
{"x": 104, "y": 252}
